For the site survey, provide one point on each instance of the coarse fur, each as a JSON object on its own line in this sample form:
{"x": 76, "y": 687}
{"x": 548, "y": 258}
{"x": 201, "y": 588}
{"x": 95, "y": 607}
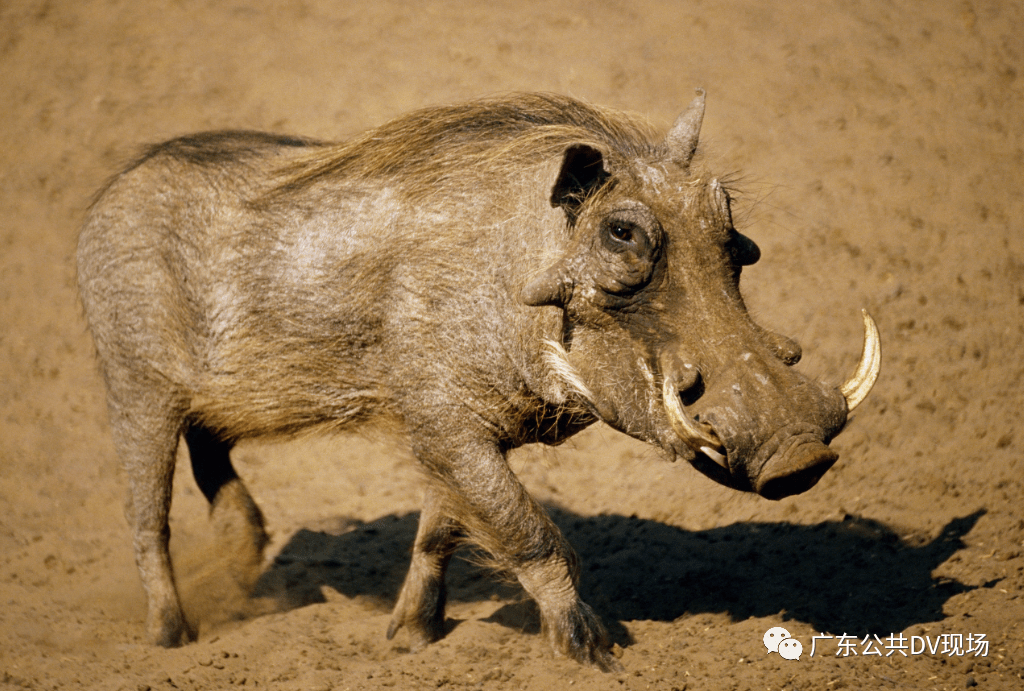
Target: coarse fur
{"x": 478, "y": 277}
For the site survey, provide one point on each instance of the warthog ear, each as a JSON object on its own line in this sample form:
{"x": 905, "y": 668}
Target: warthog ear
{"x": 582, "y": 172}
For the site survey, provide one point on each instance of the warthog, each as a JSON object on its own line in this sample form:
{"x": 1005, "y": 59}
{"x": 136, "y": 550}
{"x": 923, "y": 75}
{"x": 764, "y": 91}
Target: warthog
{"x": 480, "y": 276}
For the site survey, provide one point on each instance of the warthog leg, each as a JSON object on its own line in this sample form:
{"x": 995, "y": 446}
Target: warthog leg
{"x": 237, "y": 520}
{"x": 145, "y": 431}
{"x": 570, "y": 625}
{"x": 420, "y": 606}
{"x": 499, "y": 515}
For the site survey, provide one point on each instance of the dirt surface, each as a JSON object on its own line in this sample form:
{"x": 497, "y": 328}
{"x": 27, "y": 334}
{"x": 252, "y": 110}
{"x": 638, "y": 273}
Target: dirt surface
{"x": 880, "y": 147}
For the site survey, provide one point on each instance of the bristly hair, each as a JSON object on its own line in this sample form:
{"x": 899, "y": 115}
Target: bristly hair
{"x": 431, "y": 145}
{"x": 557, "y": 360}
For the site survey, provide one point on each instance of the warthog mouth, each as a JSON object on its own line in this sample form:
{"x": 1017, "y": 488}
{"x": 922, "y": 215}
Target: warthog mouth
{"x": 791, "y": 462}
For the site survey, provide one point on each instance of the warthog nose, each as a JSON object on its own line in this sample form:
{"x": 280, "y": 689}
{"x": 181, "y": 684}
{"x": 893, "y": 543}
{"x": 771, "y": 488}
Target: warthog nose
{"x": 794, "y": 468}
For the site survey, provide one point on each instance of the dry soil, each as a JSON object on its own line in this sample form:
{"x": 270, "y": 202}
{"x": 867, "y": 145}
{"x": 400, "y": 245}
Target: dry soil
{"x": 880, "y": 149}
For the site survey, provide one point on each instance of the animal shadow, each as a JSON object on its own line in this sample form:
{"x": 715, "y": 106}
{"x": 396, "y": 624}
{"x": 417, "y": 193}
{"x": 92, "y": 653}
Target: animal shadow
{"x": 854, "y": 575}
{"x": 364, "y": 561}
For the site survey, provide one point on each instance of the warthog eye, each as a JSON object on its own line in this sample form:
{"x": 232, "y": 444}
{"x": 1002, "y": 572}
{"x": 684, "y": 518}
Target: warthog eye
{"x": 621, "y": 233}
{"x": 628, "y": 247}
{"x": 624, "y": 236}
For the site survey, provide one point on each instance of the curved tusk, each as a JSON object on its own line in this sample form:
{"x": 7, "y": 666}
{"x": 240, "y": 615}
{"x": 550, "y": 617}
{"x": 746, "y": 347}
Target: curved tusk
{"x": 697, "y": 436}
{"x": 856, "y": 389}
{"x": 715, "y": 456}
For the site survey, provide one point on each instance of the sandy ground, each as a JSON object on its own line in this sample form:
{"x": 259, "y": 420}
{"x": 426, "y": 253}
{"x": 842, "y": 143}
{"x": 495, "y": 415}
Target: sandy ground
{"x": 881, "y": 150}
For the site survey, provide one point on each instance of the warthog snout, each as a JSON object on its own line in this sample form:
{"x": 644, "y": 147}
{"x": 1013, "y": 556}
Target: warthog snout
{"x": 763, "y": 427}
{"x": 795, "y": 466}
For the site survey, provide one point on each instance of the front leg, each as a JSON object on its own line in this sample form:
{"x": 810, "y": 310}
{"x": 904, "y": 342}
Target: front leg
{"x": 570, "y": 625}
{"x": 420, "y": 606}
{"x": 482, "y": 494}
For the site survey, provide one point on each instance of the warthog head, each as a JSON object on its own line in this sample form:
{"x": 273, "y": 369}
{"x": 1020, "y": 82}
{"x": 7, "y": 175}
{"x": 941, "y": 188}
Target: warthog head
{"x": 657, "y": 341}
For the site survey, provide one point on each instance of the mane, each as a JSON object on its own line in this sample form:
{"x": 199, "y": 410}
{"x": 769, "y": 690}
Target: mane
{"x": 430, "y": 146}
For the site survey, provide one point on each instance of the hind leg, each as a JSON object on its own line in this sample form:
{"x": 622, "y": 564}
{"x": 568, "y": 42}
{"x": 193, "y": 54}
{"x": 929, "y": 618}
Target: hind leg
{"x": 146, "y": 437}
{"x": 237, "y": 520}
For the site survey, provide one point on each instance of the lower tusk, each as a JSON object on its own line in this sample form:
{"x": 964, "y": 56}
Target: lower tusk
{"x": 714, "y": 456}
{"x": 857, "y": 388}
{"x": 696, "y": 435}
